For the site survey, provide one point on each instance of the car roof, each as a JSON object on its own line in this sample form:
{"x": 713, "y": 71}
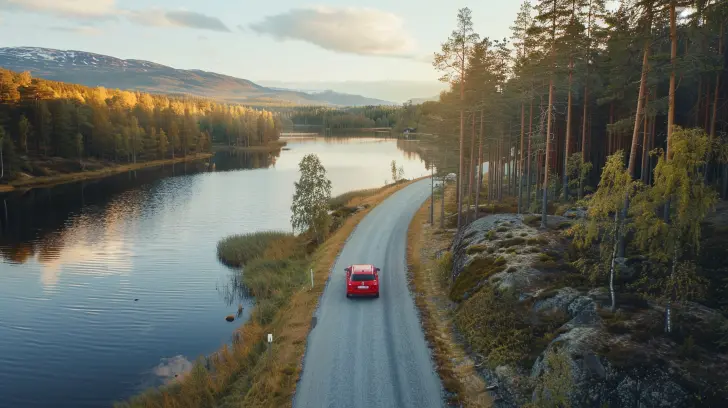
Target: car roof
{"x": 362, "y": 268}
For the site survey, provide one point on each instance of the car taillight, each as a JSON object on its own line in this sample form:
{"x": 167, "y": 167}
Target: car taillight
{"x": 374, "y": 282}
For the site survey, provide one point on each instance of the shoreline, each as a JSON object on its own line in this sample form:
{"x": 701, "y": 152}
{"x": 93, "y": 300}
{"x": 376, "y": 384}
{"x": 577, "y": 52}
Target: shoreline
{"x": 50, "y": 181}
{"x": 271, "y": 147}
{"x": 270, "y": 379}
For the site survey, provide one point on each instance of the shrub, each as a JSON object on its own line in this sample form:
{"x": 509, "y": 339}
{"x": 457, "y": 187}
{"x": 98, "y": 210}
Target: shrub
{"x": 490, "y": 235}
{"x": 237, "y": 250}
{"x": 502, "y": 229}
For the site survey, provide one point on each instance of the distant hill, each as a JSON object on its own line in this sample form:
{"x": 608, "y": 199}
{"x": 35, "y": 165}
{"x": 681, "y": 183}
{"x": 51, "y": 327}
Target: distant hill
{"x": 91, "y": 69}
{"x": 416, "y": 101}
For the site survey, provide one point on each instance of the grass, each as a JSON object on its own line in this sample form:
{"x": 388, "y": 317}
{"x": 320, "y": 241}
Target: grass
{"x": 537, "y": 241}
{"x": 512, "y": 242}
{"x": 46, "y": 181}
{"x": 474, "y": 274}
{"x": 240, "y": 373}
{"x": 532, "y": 220}
{"x": 343, "y": 199}
{"x": 236, "y": 250}
{"x": 505, "y": 331}
{"x": 443, "y": 364}
{"x": 429, "y": 276}
{"x": 476, "y": 249}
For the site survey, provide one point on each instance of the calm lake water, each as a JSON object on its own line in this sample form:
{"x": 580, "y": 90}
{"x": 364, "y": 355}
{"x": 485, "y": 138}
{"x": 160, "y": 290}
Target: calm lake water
{"x": 110, "y": 286}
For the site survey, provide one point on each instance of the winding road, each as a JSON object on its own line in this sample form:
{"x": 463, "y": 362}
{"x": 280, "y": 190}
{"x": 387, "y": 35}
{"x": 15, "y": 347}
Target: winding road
{"x": 372, "y": 352}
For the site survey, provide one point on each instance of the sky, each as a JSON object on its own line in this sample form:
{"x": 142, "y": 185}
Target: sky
{"x": 275, "y": 40}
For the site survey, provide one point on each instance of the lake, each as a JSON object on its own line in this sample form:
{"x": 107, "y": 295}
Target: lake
{"x": 110, "y": 286}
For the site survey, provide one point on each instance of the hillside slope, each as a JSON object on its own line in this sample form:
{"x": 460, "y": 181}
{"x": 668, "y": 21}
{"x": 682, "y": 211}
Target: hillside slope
{"x": 91, "y": 69}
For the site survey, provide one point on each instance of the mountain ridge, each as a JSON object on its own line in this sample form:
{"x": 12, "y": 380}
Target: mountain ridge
{"x": 93, "y": 69}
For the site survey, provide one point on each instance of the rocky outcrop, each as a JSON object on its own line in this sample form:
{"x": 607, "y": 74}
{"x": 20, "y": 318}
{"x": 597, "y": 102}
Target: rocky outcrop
{"x": 613, "y": 360}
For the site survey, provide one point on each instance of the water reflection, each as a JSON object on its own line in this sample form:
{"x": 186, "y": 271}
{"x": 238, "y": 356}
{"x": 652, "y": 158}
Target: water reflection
{"x": 101, "y": 279}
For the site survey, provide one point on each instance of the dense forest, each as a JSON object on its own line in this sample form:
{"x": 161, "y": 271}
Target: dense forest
{"x": 609, "y": 125}
{"x": 347, "y": 118}
{"x": 41, "y": 119}
{"x": 595, "y": 82}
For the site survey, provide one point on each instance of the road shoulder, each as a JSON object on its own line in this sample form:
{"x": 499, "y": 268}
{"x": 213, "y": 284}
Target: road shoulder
{"x": 273, "y": 382}
{"x": 463, "y": 385}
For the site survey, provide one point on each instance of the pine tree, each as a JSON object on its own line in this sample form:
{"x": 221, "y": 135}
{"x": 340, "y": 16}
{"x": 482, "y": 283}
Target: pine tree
{"x": 452, "y": 62}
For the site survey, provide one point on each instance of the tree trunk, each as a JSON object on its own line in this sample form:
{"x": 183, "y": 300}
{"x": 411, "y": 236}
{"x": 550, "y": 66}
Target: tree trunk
{"x": 671, "y": 96}
{"x": 673, "y": 62}
{"x": 699, "y": 101}
{"x": 586, "y": 92}
{"x": 613, "y": 265}
{"x": 672, "y": 297}
{"x": 444, "y": 189}
{"x": 544, "y": 203}
{"x": 479, "y": 167}
{"x": 528, "y": 155}
{"x": 471, "y": 169}
{"x": 715, "y": 97}
{"x": 643, "y": 169}
{"x": 567, "y": 145}
{"x": 521, "y": 168}
{"x": 462, "y": 141}
{"x": 491, "y": 169}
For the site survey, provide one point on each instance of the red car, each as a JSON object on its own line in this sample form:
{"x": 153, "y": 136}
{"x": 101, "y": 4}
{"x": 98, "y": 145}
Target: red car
{"x": 362, "y": 280}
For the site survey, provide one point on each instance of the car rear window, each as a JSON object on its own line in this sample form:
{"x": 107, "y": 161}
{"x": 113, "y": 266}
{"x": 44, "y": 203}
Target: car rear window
{"x": 360, "y": 277}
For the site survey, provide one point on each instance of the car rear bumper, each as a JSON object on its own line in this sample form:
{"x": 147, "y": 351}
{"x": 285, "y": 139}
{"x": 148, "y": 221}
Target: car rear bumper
{"x": 362, "y": 292}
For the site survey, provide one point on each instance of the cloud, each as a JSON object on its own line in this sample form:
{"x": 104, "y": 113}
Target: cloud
{"x": 85, "y": 30}
{"x": 189, "y": 19}
{"x": 196, "y": 20}
{"x": 350, "y": 30}
{"x": 78, "y": 9}
{"x": 94, "y": 9}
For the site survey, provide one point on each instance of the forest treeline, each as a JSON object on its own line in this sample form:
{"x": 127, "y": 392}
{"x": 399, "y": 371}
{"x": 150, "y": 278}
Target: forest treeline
{"x": 41, "y": 118}
{"x": 595, "y": 81}
{"x": 347, "y": 118}
{"x": 623, "y": 111}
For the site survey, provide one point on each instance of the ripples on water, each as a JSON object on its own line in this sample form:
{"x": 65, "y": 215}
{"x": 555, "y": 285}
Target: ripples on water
{"x": 74, "y": 258}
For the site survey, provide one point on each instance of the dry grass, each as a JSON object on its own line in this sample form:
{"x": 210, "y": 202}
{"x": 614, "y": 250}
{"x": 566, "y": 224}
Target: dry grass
{"x": 242, "y": 375}
{"x": 456, "y": 369}
{"x": 237, "y": 250}
{"x": 47, "y": 181}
